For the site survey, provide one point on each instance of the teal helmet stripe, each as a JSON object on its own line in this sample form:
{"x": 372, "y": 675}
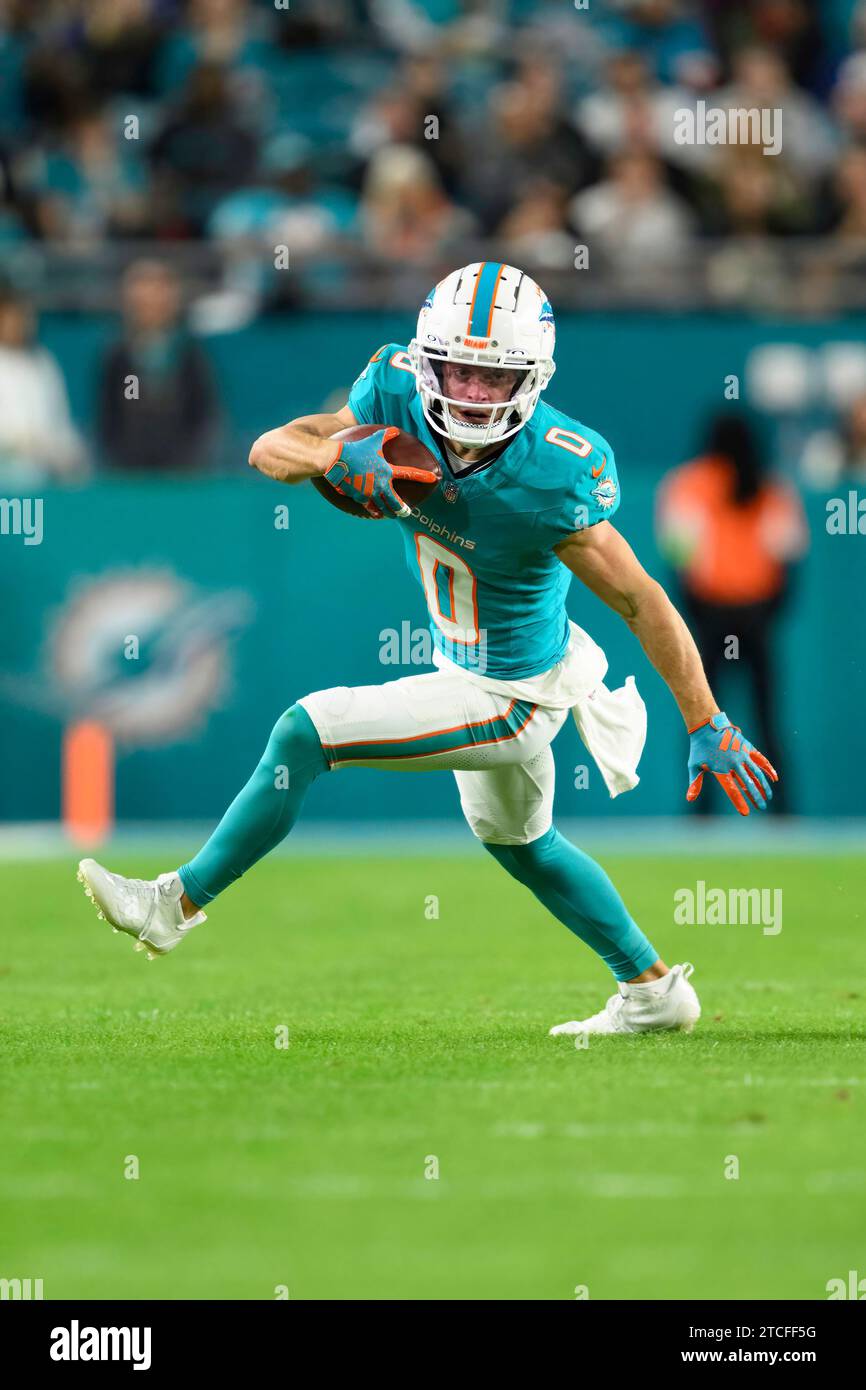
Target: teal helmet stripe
{"x": 482, "y": 300}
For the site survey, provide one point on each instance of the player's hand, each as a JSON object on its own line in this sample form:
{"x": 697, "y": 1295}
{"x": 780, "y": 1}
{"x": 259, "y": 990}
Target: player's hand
{"x": 718, "y": 746}
{"x": 362, "y": 472}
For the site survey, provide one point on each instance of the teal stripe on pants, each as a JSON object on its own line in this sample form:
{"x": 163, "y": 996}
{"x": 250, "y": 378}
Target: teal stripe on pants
{"x": 497, "y": 730}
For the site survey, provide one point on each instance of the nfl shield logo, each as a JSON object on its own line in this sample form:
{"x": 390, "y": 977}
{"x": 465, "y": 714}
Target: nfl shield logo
{"x": 449, "y": 492}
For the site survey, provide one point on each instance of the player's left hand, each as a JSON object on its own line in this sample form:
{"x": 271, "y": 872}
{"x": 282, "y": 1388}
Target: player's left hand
{"x": 718, "y": 746}
{"x": 361, "y": 471}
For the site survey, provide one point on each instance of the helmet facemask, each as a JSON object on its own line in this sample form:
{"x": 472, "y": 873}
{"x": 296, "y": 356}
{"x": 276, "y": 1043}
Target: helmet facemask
{"x": 494, "y": 421}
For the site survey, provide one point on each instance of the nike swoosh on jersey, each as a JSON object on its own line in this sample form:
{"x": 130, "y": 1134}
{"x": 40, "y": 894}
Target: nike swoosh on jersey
{"x": 595, "y": 471}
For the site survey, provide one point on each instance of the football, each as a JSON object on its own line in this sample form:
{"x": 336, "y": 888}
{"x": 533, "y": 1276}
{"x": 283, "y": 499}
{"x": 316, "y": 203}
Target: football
{"x": 402, "y": 451}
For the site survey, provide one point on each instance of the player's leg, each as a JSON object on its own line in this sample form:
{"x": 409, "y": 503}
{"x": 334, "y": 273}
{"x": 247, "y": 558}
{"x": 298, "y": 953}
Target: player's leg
{"x": 419, "y": 722}
{"x": 509, "y": 808}
{"x": 435, "y": 721}
{"x": 158, "y": 912}
{"x": 264, "y": 810}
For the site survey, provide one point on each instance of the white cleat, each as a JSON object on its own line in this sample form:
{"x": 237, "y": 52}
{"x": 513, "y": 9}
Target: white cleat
{"x": 670, "y": 1002}
{"x": 148, "y": 909}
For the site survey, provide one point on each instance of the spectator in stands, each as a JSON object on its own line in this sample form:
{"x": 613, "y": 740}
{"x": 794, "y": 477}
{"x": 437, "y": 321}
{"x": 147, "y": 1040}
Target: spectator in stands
{"x": 287, "y": 201}
{"x": 529, "y": 99}
{"x": 229, "y": 34}
{"x": 733, "y": 534}
{"x": 850, "y": 187}
{"x": 761, "y": 81}
{"x": 667, "y": 31}
{"x": 629, "y": 100}
{"x": 39, "y": 444}
{"x": 118, "y": 41}
{"x": 849, "y": 98}
{"x": 452, "y": 26}
{"x": 405, "y": 213}
{"x": 756, "y": 196}
{"x": 632, "y": 218}
{"x": 427, "y": 77}
{"x": 837, "y": 274}
{"x": 157, "y": 399}
{"x": 318, "y": 23}
{"x": 401, "y": 115}
{"x": 548, "y": 26}
{"x": 791, "y": 28}
{"x": 526, "y": 137}
{"x": 12, "y": 225}
{"x": 753, "y": 202}
{"x": 535, "y": 231}
{"x": 202, "y": 153}
{"x": 55, "y": 91}
{"x": 91, "y": 186}
{"x": 285, "y": 204}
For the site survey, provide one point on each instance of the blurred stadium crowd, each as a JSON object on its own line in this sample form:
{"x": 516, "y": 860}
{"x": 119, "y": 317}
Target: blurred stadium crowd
{"x": 374, "y": 138}
{"x": 173, "y": 158}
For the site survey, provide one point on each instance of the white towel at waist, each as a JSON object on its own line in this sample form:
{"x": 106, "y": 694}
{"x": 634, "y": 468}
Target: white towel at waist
{"x": 581, "y": 669}
{"x": 612, "y": 724}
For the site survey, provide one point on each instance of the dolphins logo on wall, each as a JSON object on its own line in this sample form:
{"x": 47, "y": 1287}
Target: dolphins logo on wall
{"x": 143, "y": 651}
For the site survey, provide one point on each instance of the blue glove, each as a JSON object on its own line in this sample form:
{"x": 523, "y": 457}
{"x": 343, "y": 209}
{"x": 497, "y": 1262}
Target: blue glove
{"x": 718, "y": 746}
{"x": 362, "y": 472}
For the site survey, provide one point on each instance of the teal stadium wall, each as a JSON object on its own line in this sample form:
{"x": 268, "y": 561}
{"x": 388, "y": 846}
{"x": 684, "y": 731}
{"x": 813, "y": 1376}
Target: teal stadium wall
{"x": 271, "y": 614}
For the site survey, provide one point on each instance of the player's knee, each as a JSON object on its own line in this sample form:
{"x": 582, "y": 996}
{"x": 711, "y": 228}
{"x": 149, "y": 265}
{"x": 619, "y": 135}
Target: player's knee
{"x": 503, "y": 856}
{"x": 537, "y": 854}
{"x": 497, "y": 824}
{"x": 523, "y": 860}
{"x": 294, "y": 739}
{"x": 529, "y": 850}
{"x": 482, "y": 825}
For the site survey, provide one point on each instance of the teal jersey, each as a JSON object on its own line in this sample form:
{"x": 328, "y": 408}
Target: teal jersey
{"x": 481, "y": 545}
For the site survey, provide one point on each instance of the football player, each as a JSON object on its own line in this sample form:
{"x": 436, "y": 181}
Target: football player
{"x": 525, "y": 502}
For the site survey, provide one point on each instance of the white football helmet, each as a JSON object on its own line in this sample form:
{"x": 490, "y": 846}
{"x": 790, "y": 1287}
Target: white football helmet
{"x": 486, "y": 314}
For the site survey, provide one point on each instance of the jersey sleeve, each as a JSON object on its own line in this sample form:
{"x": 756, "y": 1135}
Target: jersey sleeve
{"x": 376, "y": 396}
{"x": 590, "y": 486}
{"x": 362, "y": 397}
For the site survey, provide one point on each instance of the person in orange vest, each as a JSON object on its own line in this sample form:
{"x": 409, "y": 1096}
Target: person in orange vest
{"x": 733, "y": 533}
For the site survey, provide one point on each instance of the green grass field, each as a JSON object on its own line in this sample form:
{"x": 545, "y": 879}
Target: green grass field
{"x": 409, "y": 1038}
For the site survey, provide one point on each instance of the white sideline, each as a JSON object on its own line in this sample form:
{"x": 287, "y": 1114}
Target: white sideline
{"x": 620, "y": 835}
